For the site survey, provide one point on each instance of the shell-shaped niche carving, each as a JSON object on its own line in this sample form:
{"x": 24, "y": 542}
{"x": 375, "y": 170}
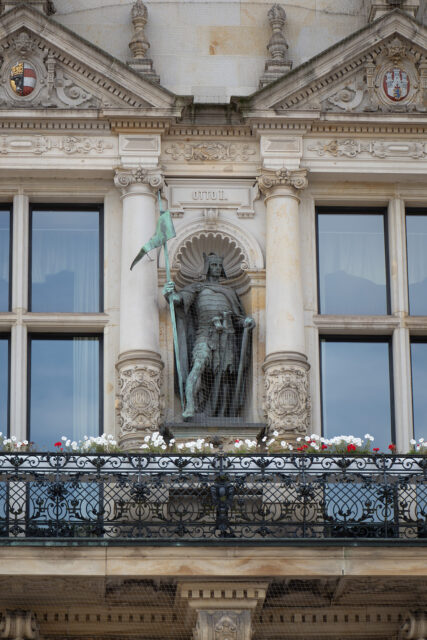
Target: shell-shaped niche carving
{"x": 188, "y": 260}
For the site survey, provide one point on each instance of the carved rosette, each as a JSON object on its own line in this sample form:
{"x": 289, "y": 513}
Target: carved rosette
{"x": 19, "y": 625}
{"x": 223, "y": 625}
{"x": 269, "y": 179}
{"x": 152, "y": 177}
{"x": 414, "y": 626}
{"x": 287, "y": 398}
{"x": 140, "y": 402}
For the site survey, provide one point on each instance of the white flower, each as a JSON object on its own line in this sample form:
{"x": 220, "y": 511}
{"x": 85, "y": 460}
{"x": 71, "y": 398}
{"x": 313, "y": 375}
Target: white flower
{"x": 290, "y": 447}
{"x": 144, "y": 446}
{"x": 13, "y": 438}
{"x": 412, "y": 441}
{"x": 275, "y": 433}
{"x": 299, "y": 439}
{"x": 25, "y": 442}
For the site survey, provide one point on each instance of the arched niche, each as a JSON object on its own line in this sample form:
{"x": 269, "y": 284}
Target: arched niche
{"x": 240, "y": 250}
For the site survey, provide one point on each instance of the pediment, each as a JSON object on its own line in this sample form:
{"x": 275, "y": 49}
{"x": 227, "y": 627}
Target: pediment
{"x": 382, "y": 67}
{"x": 53, "y": 67}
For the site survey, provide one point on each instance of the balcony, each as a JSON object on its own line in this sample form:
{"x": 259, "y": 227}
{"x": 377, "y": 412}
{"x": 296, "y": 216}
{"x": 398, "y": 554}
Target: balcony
{"x": 228, "y": 499}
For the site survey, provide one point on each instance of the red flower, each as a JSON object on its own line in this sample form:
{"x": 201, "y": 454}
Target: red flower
{"x": 351, "y": 447}
{"x": 376, "y": 449}
{"x": 324, "y": 446}
{"x": 304, "y": 446}
{"x": 392, "y": 447}
{"x": 299, "y": 448}
{"x": 58, "y": 444}
{"x": 237, "y": 440}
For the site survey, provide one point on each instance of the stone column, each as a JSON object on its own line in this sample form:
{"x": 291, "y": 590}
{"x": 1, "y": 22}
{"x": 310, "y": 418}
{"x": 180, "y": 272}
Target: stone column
{"x": 224, "y": 609}
{"x": 139, "y": 364}
{"x": 287, "y": 401}
{"x": 19, "y": 625}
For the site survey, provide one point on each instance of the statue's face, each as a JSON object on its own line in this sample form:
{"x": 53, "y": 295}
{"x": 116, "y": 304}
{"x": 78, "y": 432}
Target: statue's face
{"x": 215, "y": 267}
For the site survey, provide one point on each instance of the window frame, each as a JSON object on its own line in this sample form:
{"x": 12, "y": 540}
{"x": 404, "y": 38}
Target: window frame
{"x": 37, "y": 335}
{"x": 360, "y": 338}
{"x": 411, "y": 211}
{"x": 66, "y": 207}
{"x": 7, "y": 336}
{"x": 346, "y": 210}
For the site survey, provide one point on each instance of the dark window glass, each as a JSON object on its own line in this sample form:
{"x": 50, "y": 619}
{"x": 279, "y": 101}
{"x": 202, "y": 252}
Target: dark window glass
{"x": 356, "y": 393}
{"x": 4, "y": 259}
{"x": 419, "y": 388}
{"x": 64, "y": 389}
{"x": 65, "y": 258}
{"x": 352, "y": 265}
{"x": 416, "y": 237}
{"x": 4, "y": 385}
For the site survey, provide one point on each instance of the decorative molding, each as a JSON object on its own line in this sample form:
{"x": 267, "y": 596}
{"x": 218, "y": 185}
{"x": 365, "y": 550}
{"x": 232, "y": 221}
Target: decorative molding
{"x": 139, "y": 402}
{"x": 125, "y": 178}
{"x": 287, "y": 398}
{"x": 139, "y": 44}
{"x": 19, "y": 625}
{"x": 223, "y": 625}
{"x": 414, "y": 626}
{"x": 351, "y": 148}
{"x": 40, "y": 145}
{"x": 210, "y": 151}
{"x": 277, "y": 65}
{"x": 46, "y": 6}
{"x": 269, "y": 179}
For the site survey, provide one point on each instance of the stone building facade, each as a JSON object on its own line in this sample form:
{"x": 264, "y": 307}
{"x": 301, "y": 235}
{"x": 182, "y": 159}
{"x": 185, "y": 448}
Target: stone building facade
{"x": 252, "y": 121}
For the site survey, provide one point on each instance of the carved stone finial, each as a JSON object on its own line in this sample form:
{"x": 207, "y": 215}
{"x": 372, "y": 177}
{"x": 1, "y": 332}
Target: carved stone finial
{"x": 19, "y": 625}
{"x": 277, "y": 65}
{"x": 139, "y": 44}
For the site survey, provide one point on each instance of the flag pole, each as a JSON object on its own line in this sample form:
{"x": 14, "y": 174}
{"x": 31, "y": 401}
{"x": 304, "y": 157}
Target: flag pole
{"x": 173, "y": 320}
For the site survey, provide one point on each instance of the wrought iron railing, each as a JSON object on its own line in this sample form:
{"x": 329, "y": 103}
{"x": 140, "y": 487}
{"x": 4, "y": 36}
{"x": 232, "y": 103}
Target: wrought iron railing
{"x": 256, "y": 498}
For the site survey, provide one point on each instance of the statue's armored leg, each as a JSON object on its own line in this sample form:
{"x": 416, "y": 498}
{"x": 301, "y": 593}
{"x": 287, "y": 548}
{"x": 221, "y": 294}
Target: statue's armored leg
{"x": 191, "y": 388}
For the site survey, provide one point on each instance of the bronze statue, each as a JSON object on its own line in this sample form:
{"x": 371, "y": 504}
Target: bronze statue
{"x": 214, "y": 343}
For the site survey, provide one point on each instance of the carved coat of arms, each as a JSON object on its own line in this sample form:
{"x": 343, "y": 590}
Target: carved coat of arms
{"x": 23, "y": 78}
{"x": 396, "y": 84}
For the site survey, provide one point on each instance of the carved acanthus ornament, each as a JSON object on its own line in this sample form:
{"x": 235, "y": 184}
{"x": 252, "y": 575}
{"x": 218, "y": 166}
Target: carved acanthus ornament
{"x": 287, "y": 399}
{"x": 210, "y": 151}
{"x": 139, "y": 400}
{"x": 277, "y": 65}
{"x": 19, "y": 625}
{"x": 269, "y": 179}
{"x": 125, "y": 178}
{"x": 349, "y": 148}
{"x": 139, "y": 44}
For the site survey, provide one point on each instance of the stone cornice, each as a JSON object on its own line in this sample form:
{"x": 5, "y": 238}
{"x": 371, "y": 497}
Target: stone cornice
{"x": 149, "y": 177}
{"x": 268, "y": 179}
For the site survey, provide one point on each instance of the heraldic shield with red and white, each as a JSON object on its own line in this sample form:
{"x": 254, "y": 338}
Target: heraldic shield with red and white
{"x": 396, "y": 84}
{"x": 23, "y": 78}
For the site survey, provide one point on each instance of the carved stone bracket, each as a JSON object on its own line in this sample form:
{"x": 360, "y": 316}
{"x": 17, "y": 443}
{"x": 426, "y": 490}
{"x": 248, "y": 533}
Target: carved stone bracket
{"x": 139, "y": 403}
{"x": 287, "y": 396}
{"x": 268, "y": 179}
{"x": 125, "y": 178}
{"x": 224, "y": 610}
{"x": 19, "y": 625}
{"x": 414, "y": 626}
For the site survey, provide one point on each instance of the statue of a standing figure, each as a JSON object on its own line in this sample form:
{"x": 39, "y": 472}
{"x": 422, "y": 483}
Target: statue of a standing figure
{"x": 214, "y": 343}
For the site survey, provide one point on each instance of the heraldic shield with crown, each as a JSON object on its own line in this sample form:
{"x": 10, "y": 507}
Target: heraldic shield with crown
{"x": 396, "y": 84}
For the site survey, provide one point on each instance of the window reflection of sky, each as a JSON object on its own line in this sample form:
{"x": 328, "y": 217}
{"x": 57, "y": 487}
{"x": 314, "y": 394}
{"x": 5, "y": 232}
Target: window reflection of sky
{"x": 356, "y": 390}
{"x": 352, "y": 273}
{"x": 64, "y": 389}
{"x": 416, "y": 234}
{"x": 419, "y": 388}
{"x": 65, "y": 261}
{"x": 4, "y": 259}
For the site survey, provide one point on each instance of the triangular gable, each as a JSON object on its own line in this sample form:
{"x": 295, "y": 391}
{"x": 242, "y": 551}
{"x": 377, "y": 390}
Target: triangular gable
{"x": 53, "y": 67}
{"x": 381, "y": 67}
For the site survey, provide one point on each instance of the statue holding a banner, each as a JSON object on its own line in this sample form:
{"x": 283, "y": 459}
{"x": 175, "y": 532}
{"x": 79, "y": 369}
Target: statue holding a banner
{"x": 214, "y": 337}
{"x": 212, "y": 334}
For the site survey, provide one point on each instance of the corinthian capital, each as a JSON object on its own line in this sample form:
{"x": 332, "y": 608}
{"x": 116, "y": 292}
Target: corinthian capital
{"x": 268, "y": 179}
{"x": 152, "y": 178}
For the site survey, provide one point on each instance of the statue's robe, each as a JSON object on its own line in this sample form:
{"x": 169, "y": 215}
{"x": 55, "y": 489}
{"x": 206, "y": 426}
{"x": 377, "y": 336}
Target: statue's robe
{"x": 220, "y": 376}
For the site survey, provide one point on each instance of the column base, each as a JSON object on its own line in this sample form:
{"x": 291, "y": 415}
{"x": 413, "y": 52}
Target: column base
{"x": 287, "y": 397}
{"x": 139, "y": 402}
